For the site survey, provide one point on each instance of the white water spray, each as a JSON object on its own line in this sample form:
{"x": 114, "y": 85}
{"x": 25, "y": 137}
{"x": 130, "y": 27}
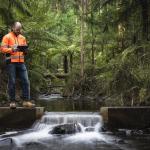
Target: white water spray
{"x": 89, "y": 123}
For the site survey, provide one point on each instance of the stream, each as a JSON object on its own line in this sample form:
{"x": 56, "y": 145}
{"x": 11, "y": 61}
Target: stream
{"x": 71, "y": 130}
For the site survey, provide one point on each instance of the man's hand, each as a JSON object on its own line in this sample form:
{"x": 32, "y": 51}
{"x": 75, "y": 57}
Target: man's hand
{"x": 14, "y": 48}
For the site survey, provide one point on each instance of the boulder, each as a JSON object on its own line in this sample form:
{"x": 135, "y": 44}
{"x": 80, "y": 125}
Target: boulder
{"x": 66, "y": 129}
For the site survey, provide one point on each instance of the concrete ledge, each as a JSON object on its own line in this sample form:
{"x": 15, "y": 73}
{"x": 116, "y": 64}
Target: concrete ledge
{"x": 19, "y": 118}
{"x": 126, "y": 117}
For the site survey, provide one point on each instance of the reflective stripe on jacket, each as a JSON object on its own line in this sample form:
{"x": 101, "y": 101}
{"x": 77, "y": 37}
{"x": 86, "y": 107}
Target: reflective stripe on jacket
{"x": 8, "y": 42}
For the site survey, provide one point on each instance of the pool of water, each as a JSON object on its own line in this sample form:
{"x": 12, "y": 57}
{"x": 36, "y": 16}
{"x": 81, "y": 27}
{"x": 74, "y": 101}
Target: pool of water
{"x": 84, "y": 113}
{"x": 55, "y": 102}
{"x": 79, "y": 141}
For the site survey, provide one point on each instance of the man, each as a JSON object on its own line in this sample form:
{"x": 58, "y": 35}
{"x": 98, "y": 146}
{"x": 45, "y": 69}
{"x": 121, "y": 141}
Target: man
{"x": 15, "y": 64}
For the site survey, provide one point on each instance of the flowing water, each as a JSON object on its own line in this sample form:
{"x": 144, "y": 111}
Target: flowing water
{"x": 87, "y": 135}
{"x": 39, "y": 135}
{"x": 90, "y": 137}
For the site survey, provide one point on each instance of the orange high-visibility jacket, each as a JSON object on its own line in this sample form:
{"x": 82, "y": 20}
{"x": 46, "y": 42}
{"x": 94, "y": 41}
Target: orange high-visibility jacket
{"x": 8, "y": 42}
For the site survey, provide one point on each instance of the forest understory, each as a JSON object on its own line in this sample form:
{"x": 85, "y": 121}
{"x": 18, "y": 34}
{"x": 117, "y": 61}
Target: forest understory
{"x": 100, "y": 47}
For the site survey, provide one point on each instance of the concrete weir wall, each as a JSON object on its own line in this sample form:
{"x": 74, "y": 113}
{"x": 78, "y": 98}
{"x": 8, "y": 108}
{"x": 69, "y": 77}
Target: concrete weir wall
{"x": 20, "y": 117}
{"x": 126, "y": 117}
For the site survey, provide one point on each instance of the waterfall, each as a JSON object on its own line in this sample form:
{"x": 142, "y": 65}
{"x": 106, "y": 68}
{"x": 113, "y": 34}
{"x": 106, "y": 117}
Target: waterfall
{"x": 86, "y": 120}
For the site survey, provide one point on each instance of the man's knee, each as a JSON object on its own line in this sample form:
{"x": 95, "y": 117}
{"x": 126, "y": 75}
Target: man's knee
{"x": 26, "y": 82}
{"x": 12, "y": 81}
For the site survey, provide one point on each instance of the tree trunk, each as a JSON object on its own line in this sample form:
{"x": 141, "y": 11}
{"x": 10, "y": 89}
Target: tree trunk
{"x": 144, "y": 6}
{"x": 93, "y": 40}
{"x": 82, "y": 34}
{"x": 62, "y": 5}
{"x": 71, "y": 61}
{"x": 65, "y": 64}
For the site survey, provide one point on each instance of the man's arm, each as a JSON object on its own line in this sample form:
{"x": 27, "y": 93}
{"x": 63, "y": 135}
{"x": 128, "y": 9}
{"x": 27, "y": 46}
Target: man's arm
{"x": 25, "y": 43}
{"x": 4, "y": 46}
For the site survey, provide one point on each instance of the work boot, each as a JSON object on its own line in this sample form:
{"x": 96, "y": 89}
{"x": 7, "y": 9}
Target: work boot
{"x": 12, "y": 105}
{"x": 28, "y": 104}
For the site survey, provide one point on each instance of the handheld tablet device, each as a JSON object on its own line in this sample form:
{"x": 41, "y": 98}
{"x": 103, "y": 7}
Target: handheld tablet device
{"x": 22, "y": 48}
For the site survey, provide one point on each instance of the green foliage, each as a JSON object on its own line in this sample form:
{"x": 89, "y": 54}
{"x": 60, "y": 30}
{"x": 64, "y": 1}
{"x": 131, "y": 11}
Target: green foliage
{"x": 116, "y": 44}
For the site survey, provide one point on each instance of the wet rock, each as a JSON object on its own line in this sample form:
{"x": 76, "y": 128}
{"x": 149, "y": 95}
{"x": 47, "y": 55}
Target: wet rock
{"x": 66, "y": 129}
{"x": 137, "y": 132}
{"x": 120, "y": 141}
{"x": 89, "y": 129}
{"x": 120, "y": 132}
{"x": 134, "y": 132}
{"x": 5, "y": 141}
{"x": 104, "y": 129}
{"x": 128, "y": 132}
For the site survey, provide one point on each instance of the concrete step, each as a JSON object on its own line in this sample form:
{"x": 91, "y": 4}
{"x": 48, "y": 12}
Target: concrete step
{"x": 126, "y": 117}
{"x": 20, "y": 117}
